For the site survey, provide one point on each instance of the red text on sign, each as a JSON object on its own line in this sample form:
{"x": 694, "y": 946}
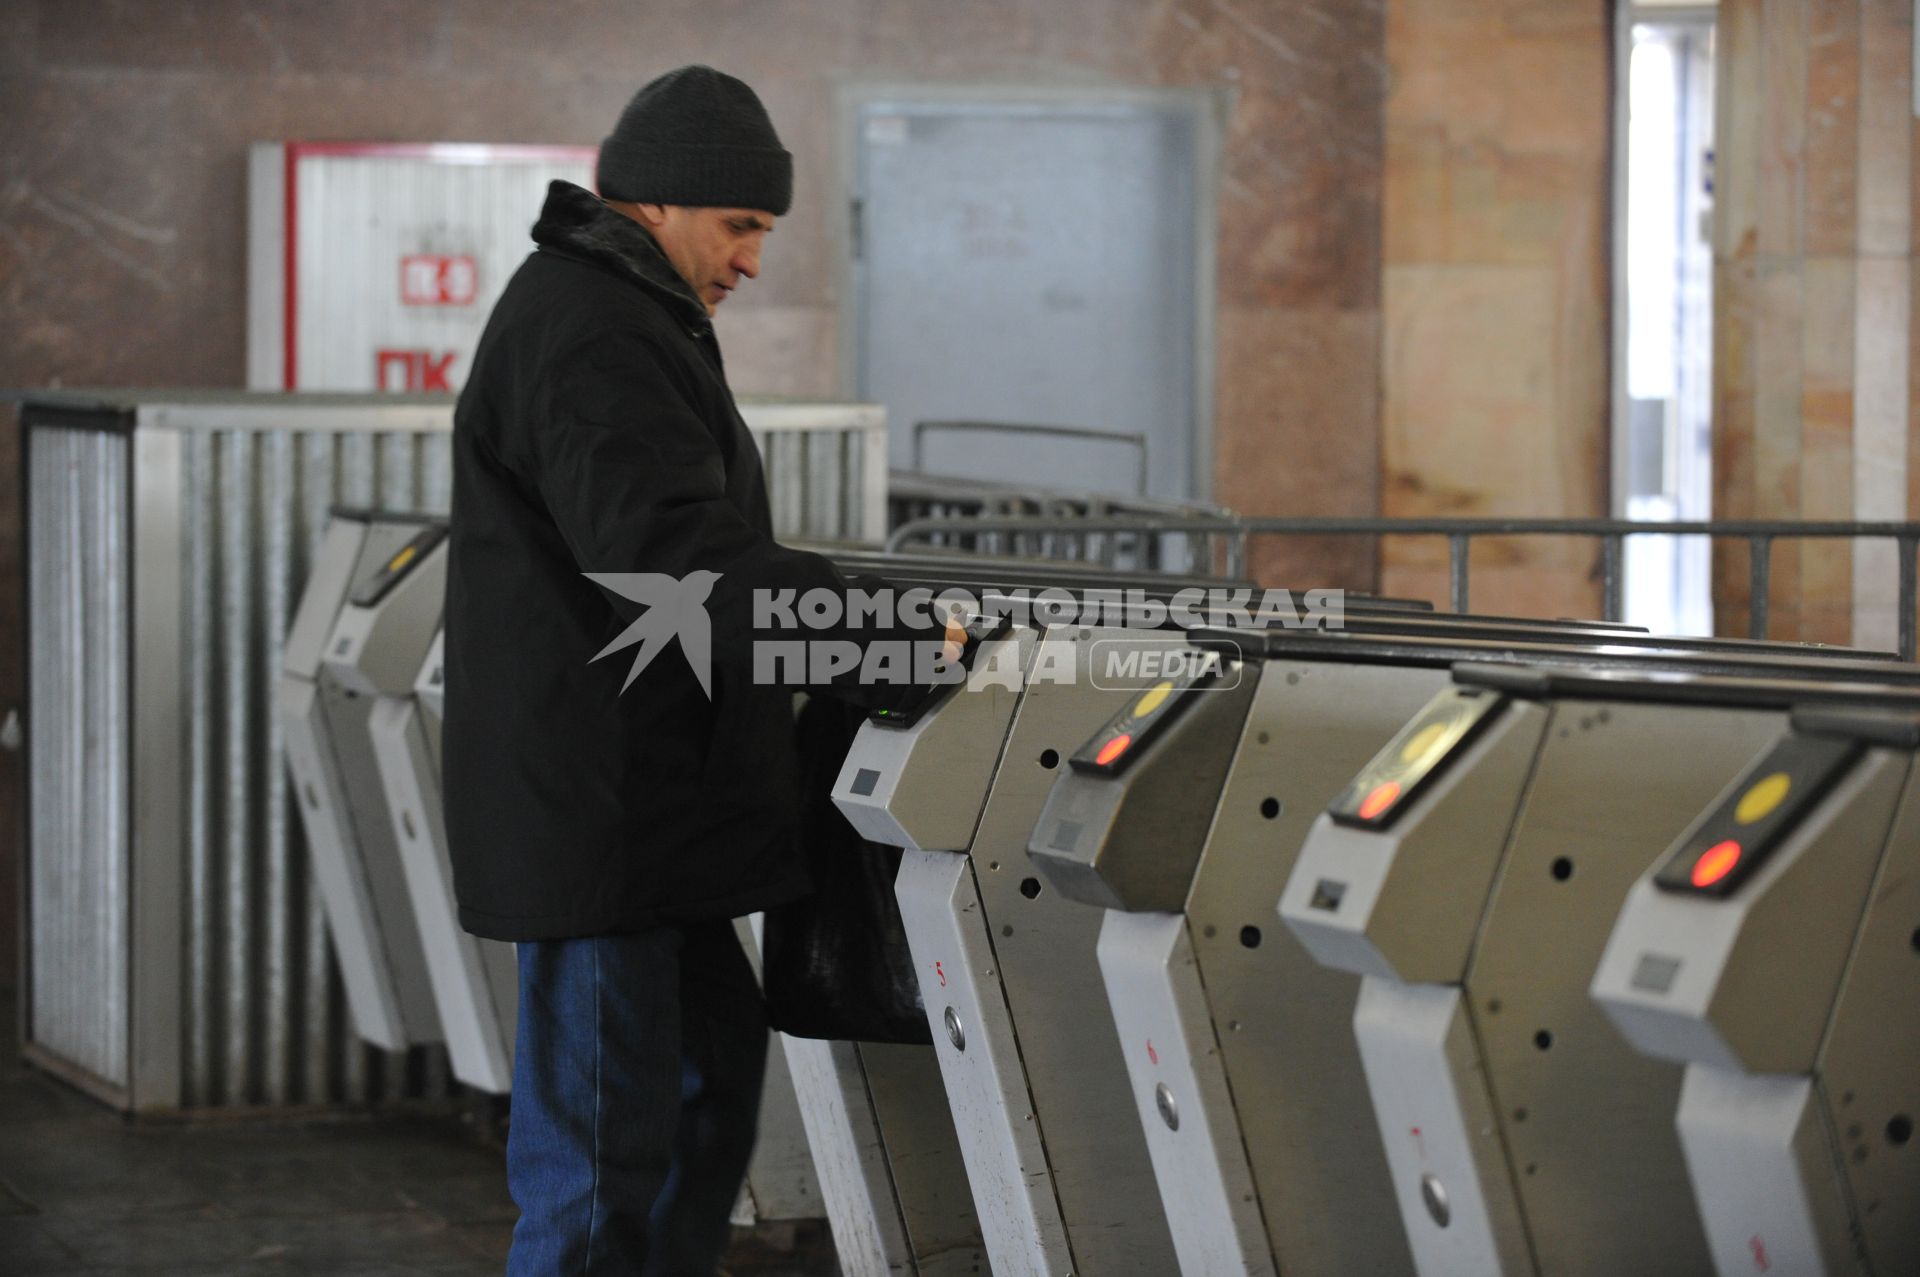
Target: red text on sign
{"x": 438, "y": 279}
{"x": 413, "y": 369}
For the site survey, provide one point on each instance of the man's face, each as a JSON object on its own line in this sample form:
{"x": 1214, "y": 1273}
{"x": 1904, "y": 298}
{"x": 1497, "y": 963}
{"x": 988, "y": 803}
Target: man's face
{"x": 712, "y": 248}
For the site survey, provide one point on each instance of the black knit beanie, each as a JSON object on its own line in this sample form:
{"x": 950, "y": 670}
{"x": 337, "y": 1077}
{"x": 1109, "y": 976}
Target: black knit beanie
{"x": 696, "y": 137}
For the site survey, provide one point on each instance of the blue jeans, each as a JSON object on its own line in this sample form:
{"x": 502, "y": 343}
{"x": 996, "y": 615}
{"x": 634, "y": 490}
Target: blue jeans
{"x": 636, "y": 1094}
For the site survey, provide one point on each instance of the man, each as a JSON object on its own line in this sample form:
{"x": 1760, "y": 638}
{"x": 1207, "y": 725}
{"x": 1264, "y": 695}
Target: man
{"x": 614, "y": 831}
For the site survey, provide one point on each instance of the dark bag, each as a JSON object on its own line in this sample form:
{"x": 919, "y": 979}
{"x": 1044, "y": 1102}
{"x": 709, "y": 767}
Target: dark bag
{"x": 835, "y": 964}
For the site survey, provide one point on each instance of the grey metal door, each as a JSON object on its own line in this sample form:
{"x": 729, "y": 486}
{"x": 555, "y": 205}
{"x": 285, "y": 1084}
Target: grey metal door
{"x": 1034, "y": 259}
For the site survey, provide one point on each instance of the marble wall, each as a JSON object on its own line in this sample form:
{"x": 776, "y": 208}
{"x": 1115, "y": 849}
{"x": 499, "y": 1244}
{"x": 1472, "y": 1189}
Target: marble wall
{"x": 1495, "y": 289}
{"x": 123, "y": 165}
{"x": 1814, "y": 280}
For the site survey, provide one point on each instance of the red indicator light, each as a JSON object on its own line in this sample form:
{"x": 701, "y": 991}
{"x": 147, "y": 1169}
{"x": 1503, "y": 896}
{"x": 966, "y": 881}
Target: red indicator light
{"x": 1715, "y": 863}
{"x": 1379, "y": 800}
{"x": 1113, "y": 749}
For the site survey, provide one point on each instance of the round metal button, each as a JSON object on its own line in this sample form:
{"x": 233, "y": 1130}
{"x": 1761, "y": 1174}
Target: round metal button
{"x": 955, "y": 1034}
{"x": 1169, "y": 1111}
{"x": 1435, "y": 1197}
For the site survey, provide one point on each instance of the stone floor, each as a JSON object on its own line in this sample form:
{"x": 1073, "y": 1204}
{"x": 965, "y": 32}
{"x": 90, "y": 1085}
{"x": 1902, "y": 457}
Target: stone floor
{"x": 84, "y": 1191}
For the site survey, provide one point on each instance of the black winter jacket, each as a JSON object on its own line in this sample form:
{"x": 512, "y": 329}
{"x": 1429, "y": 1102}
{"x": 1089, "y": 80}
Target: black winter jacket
{"x": 597, "y": 434}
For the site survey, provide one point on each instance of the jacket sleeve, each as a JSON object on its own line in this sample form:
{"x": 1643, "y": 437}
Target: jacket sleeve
{"x": 635, "y": 482}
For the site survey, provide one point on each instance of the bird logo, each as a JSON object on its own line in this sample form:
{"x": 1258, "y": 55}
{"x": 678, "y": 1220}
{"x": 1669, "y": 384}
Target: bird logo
{"x": 675, "y": 606}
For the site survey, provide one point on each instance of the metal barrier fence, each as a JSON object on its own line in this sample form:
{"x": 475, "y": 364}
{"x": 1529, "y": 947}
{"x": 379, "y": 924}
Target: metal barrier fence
{"x": 1234, "y": 532}
{"x": 917, "y": 494}
{"x": 963, "y": 508}
{"x": 175, "y": 956}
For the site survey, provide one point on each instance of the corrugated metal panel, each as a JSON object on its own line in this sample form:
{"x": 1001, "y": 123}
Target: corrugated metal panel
{"x": 77, "y": 711}
{"x": 814, "y": 479}
{"x": 266, "y": 1021}
{"x": 826, "y": 468}
{"x": 263, "y": 1016}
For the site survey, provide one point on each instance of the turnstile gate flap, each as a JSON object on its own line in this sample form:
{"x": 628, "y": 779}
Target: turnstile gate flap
{"x": 379, "y": 1010}
{"x": 376, "y": 647}
{"x": 1123, "y": 828}
{"x": 1766, "y": 804}
{"x": 1436, "y": 1119}
{"x": 1404, "y": 900}
{"x": 371, "y": 589}
{"x": 1124, "y": 738}
{"x": 979, "y": 1057}
{"x": 1181, "y": 1092}
{"x": 923, "y": 786}
{"x": 981, "y": 630}
{"x": 1771, "y": 1196}
{"x": 1744, "y": 977}
{"x": 1414, "y": 756}
{"x": 475, "y": 982}
{"x": 327, "y": 585}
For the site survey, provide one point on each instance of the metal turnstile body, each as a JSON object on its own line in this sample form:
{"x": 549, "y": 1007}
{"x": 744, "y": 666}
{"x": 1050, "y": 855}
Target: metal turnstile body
{"x": 1238, "y": 1047}
{"x": 340, "y": 656}
{"x": 1471, "y": 874}
{"x": 1771, "y": 953}
{"x": 475, "y": 981}
{"x": 878, "y": 1114}
{"x": 888, "y": 1162}
{"x": 1027, "y": 1049}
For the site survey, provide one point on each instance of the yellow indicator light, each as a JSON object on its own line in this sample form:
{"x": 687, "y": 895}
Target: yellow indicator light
{"x": 1112, "y": 749}
{"x": 1765, "y": 795}
{"x": 1379, "y": 800}
{"x": 401, "y": 559}
{"x": 1153, "y": 700}
{"x": 1425, "y": 741}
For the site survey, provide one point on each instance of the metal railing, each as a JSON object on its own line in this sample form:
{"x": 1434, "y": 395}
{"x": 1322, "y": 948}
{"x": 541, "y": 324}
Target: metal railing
{"x": 965, "y": 504}
{"x": 920, "y": 494}
{"x": 1460, "y": 533}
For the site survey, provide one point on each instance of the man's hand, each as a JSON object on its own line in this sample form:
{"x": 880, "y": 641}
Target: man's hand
{"x": 956, "y": 640}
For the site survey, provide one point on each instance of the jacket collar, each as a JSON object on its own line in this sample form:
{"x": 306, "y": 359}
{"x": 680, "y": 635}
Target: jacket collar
{"x": 575, "y": 222}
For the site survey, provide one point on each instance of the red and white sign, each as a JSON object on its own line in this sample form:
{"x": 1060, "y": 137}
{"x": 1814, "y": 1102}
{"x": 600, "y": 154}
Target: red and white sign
{"x": 373, "y": 265}
{"x": 437, "y": 279}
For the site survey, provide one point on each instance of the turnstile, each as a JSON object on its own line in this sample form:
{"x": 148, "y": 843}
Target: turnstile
{"x": 370, "y": 611}
{"x": 1245, "y": 1073}
{"x": 475, "y": 981}
{"x": 1057, "y": 1167}
{"x": 1025, "y": 1042}
{"x": 923, "y": 785}
{"x": 1242, "y": 1070}
{"x": 1469, "y": 874}
{"x": 365, "y": 740}
{"x": 1771, "y": 951}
